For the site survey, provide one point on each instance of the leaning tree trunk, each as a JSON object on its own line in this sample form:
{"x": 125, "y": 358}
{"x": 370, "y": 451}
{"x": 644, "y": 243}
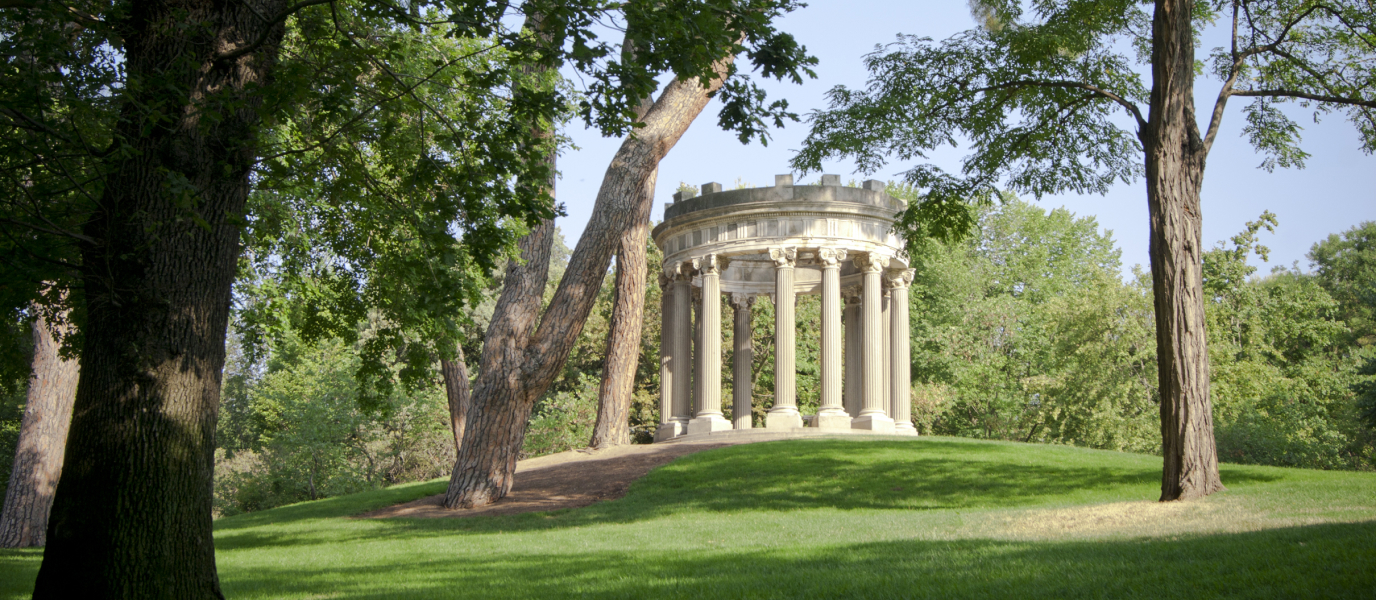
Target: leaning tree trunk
{"x": 42, "y": 439}
{"x": 132, "y": 512}
{"x": 623, "y": 338}
{"x": 1175, "y": 156}
{"x": 516, "y": 369}
{"x": 456, "y": 390}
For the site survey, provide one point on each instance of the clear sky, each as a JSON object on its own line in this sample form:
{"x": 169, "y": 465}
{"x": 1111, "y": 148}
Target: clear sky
{"x": 1336, "y": 191}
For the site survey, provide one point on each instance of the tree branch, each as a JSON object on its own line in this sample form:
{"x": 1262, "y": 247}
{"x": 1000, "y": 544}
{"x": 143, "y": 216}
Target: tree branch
{"x": 1234, "y": 71}
{"x": 267, "y": 30}
{"x": 78, "y": 17}
{"x": 50, "y": 231}
{"x": 1077, "y": 85}
{"x": 1283, "y": 93}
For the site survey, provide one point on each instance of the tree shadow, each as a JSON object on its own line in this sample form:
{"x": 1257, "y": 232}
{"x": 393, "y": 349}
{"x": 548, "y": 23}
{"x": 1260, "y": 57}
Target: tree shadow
{"x": 796, "y": 475}
{"x": 1330, "y": 561}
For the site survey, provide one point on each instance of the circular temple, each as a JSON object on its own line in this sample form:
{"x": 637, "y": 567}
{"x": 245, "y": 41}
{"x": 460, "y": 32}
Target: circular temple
{"x": 779, "y": 242}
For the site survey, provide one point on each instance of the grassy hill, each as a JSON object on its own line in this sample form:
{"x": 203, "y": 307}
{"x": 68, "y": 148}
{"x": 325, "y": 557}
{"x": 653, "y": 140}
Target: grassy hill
{"x": 883, "y": 518}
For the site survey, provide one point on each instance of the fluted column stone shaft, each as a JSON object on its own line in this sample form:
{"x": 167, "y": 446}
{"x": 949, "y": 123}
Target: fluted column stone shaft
{"x": 784, "y": 413}
{"x": 885, "y": 321}
{"x": 698, "y": 380}
{"x": 709, "y": 416}
{"x": 743, "y": 359}
{"x": 854, "y": 386}
{"x": 711, "y": 340}
{"x": 872, "y": 416}
{"x": 683, "y": 350}
{"x": 831, "y": 414}
{"x": 900, "y": 370}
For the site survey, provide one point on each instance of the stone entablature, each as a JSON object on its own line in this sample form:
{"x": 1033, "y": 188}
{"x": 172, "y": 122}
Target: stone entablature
{"x": 783, "y": 241}
{"x": 744, "y": 224}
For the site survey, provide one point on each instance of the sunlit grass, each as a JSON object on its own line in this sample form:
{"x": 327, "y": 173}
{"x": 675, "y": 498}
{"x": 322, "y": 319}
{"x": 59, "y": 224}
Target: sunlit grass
{"x": 931, "y": 517}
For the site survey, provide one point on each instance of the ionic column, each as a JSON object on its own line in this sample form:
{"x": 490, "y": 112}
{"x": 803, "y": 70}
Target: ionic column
{"x": 900, "y": 370}
{"x": 784, "y": 414}
{"x": 854, "y": 386}
{"x": 872, "y": 416}
{"x": 744, "y": 354}
{"x": 683, "y": 347}
{"x": 698, "y": 381}
{"x": 666, "y": 357}
{"x": 831, "y": 414}
{"x": 885, "y": 319}
{"x": 709, "y": 417}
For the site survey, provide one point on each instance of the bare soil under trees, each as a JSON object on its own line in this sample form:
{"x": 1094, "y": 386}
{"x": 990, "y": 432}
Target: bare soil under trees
{"x": 570, "y": 479}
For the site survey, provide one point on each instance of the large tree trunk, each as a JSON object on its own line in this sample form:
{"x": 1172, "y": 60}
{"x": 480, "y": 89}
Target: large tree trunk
{"x": 42, "y": 439}
{"x": 132, "y": 513}
{"x": 517, "y": 368}
{"x": 623, "y": 338}
{"x": 456, "y": 390}
{"x": 1175, "y": 156}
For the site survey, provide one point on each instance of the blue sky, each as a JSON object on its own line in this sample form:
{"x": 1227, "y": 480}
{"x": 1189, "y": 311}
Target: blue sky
{"x": 1335, "y": 192}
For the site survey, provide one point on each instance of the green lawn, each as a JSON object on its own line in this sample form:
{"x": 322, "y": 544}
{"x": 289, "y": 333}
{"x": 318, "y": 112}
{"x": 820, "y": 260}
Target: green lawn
{"x": 837, "y": 518}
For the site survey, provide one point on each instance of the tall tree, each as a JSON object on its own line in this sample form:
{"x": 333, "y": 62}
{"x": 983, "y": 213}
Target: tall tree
{"x": 628, "y": 313}
{"x": 519, "y": 364}
{"x": 1037, "y": 101}
{"x": 623, "y": 337}
{"x": 458, "y": 393}
{"x": 520, "y": 360}
{"x": 42, "y": 436}
{"x": 54, "y": 116}
{"x": 131, "y": 515}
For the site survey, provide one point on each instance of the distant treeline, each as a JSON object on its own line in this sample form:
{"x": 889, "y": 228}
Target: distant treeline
{"x": 1026, "y": 330}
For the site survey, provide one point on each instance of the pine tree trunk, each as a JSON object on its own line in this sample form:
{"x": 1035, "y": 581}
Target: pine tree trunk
{"x": 1175, "y": 156}
{"x": 517, "y": 368}
{"x": 456, "y": 390}
{"x": 132, "y": 512}
{"x": 623, "y": 338}
{"x": 42, "y": 441}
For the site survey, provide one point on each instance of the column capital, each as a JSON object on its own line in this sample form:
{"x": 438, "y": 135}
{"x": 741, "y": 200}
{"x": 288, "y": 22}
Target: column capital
{"x": 898, "y": 278}
{"x": 851, "y": 294}
{"x": 830, "y": 258}
{"x": 740, "y": 300}
{"x": 784, "y": 257}
{"x": 712, "y": 264}
{"x": 683, "y": 270}
{"x": 664, "y": 280}
{"x": 870, "y": 262}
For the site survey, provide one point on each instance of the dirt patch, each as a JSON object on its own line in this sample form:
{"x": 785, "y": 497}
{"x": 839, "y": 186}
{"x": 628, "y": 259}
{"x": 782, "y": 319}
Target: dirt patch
{"x": 566, "y": 480}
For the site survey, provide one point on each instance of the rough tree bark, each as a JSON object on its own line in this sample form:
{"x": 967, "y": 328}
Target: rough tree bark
{"x": 132, "y": 513}
{"x": 623, "y": 338}
{"x": 516, "y": 366}
{"x": 612, "y": 427}
{"x": 457, "y": 391}
{"x": 42, "y": 440}
{"x": 1175, "y": 157}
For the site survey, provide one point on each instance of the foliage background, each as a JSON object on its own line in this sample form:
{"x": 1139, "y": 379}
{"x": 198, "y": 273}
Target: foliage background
{"x": 1023, "y": 331}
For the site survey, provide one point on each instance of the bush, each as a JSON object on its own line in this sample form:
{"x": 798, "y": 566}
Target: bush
{"x": 310, "y": 439}
{"x": 563, "y": 420}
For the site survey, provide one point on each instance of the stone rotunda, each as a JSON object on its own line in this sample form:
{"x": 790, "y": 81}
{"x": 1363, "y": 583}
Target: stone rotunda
{"x": 783, "y": 241}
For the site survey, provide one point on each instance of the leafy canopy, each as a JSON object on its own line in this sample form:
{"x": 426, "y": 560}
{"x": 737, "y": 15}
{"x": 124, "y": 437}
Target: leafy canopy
{"x": 1049, "y": 97}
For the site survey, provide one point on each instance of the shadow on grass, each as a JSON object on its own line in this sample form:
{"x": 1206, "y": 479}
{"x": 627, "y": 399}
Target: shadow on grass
{"x": 1318, "y": 561}
{"x": 1329, "y": 561}
{"x": 776, "y": 476}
